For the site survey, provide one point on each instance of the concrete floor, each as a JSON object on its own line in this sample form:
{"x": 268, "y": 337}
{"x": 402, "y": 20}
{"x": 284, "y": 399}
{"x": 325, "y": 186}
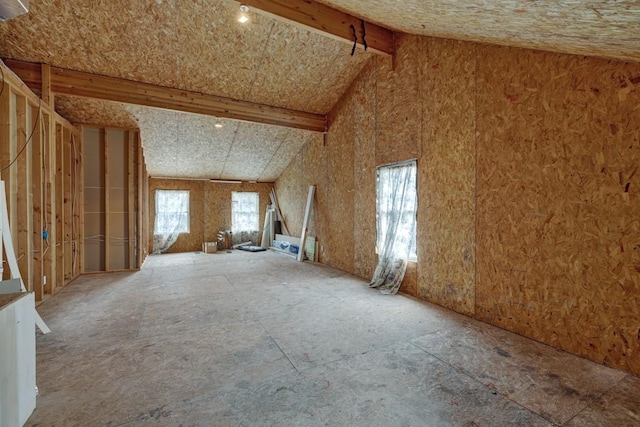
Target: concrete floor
{"x": 245, "y": 339}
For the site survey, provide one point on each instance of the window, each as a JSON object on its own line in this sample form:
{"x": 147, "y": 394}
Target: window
{"x": 172, "y": 212}
{"x": 245, "y": 212}
{"x": 396, "y": 208}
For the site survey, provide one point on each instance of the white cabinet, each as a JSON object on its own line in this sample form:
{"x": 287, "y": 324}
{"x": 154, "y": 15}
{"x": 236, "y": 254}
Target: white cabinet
{"x": 17, "y": 358}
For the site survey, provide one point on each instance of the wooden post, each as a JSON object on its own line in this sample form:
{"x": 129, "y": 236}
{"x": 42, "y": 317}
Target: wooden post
{"x": 22, "y": 189}
{"x": 58, "y": 238}
{"x": 67, "y": 214}
{"x": 107, "y": 231}
{"x": 37, "y": 187}
{"x": 80, "y": 204}
{"x": 131, "y": 192}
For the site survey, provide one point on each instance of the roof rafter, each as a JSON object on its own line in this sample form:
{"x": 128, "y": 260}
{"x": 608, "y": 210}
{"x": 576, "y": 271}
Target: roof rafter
{"x": 330, "y": 22}
{"x": 88, "y": 85}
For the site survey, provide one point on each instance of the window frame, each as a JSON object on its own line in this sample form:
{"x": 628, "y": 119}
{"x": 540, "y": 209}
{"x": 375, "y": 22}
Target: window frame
{"x": 257, "y": 210}
{"x": 188, "y": 212}
{"x": 413, "y": 255}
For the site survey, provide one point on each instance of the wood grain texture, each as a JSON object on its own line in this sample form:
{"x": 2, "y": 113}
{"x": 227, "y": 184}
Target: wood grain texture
{"x": 446, "y": 177}
{"x": 398, "y": 111}
{"x": 327, "y": 21}
{"x": 552, "y": 212}
{"x": 598, "y": 28}
{"x": 364, "y": 163}
{"x": 558, "y": 192}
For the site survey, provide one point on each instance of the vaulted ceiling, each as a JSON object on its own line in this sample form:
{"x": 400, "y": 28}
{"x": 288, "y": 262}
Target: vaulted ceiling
{"x": 195, "y": 46}
{"x": 200, "y": 47}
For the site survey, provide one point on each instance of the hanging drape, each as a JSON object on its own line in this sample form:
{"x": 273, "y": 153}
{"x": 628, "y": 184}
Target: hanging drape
{"x": 245, "y": 217}
{"x": 172, "y": 218}
{"x": 396, "y": 203}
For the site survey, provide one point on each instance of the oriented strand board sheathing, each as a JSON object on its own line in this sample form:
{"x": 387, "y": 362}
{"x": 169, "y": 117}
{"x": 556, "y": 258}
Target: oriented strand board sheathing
{"x": 95, "y": 112}
{"x": 446, "y": 175}
{"x": 184, "y": 145}
{"x": 558, "y": 201}
{"x": 398, "y": 113}
{"x": 216, "y": 210}
{"x": 197, "y": 46}
{"x": 252, "y": 148}
{"x": 599, "y": 28}
{"x": 339, "y": 240}
{"x": 291, "y": 145}
{"x": 362, "y": 98}
{"x": 313, "y": 83}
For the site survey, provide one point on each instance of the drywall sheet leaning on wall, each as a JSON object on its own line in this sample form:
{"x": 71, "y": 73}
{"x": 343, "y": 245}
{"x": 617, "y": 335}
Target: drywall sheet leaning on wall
{"x": 558, "y": 201}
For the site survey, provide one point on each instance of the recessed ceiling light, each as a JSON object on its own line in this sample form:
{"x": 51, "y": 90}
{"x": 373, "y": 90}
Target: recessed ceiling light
{"x": 218, "y": 124}
{"x": 243, "y": 16}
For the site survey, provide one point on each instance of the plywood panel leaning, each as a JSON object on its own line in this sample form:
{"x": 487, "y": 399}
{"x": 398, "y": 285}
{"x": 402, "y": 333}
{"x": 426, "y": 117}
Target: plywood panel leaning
{"x": 558, "y": 196}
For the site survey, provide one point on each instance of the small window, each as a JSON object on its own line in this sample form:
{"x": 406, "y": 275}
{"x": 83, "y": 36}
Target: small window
{"x": 396, "y": 208}
{"x": 245, "y": 212}
{"x": 172, "y": 212}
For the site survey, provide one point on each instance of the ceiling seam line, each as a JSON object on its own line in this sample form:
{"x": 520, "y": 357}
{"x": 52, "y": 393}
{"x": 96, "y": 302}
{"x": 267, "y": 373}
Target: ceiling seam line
{"x": 262, "y": 56}
{"x": 233, "y": 141}
{"x": 274, "y": 153}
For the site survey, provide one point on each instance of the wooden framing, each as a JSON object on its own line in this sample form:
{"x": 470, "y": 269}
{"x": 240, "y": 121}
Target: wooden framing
{"x": 35, "y": 151}
{"x": 327, "y": 21}
{"x": 37, "y": 180}
{"x": 116, "y": 208}
{"x": 77, "y": 83}
{"x": 107, "y": 223}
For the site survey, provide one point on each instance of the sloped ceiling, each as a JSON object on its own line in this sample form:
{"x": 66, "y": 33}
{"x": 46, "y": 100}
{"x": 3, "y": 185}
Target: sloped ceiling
{"x": 200, "y": 46}
{"x": 196, "y": 46}
{"x": 605, "y": 28}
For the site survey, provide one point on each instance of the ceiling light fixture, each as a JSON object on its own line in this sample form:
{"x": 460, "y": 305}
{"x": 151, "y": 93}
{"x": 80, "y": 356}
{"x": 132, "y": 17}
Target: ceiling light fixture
{"x": 225, "y": 181}
{"x": 218, "y": 124}
{"x": 243, "y": 15}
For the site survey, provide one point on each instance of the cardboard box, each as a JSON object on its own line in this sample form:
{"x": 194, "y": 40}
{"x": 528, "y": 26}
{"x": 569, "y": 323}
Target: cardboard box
{"x": 210, "y": 247}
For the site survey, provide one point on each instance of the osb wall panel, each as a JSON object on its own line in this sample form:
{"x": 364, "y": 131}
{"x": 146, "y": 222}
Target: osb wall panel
{"x": 558, "y": 200}
{"x": 291, "y": 191}
{"x": 217, "y": 205}
{"x": 338, "y": 247}
{"x": 446, "y": 176}
{"x": 364, "y": 125}
{"x": 409, "y": 283}
{"x": 209, "y": 209}
{"x": 398, "y": 112}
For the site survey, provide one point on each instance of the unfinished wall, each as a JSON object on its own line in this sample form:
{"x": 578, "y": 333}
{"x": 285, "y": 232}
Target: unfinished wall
{"x": 209, "y": 209}
{"x": 558, "y": 197}
{"x": 40, "y": 162}
{"x": 531, "y": 154}
{"x": 113, "y": 181}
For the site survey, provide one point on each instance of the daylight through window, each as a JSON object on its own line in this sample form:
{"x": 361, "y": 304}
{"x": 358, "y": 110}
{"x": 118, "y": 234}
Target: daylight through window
{"x": 172, "y": 212}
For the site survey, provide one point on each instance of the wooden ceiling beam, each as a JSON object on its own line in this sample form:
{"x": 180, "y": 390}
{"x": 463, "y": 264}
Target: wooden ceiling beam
{"x": 88, "y": 85}
{"x": 325, "y": 20}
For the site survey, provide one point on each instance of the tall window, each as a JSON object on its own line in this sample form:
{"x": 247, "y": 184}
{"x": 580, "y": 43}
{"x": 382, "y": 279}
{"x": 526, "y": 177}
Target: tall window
{"x": 172, "y": 212}
{"x": 245, "y": 216}
{"x": 396, "y": 206}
